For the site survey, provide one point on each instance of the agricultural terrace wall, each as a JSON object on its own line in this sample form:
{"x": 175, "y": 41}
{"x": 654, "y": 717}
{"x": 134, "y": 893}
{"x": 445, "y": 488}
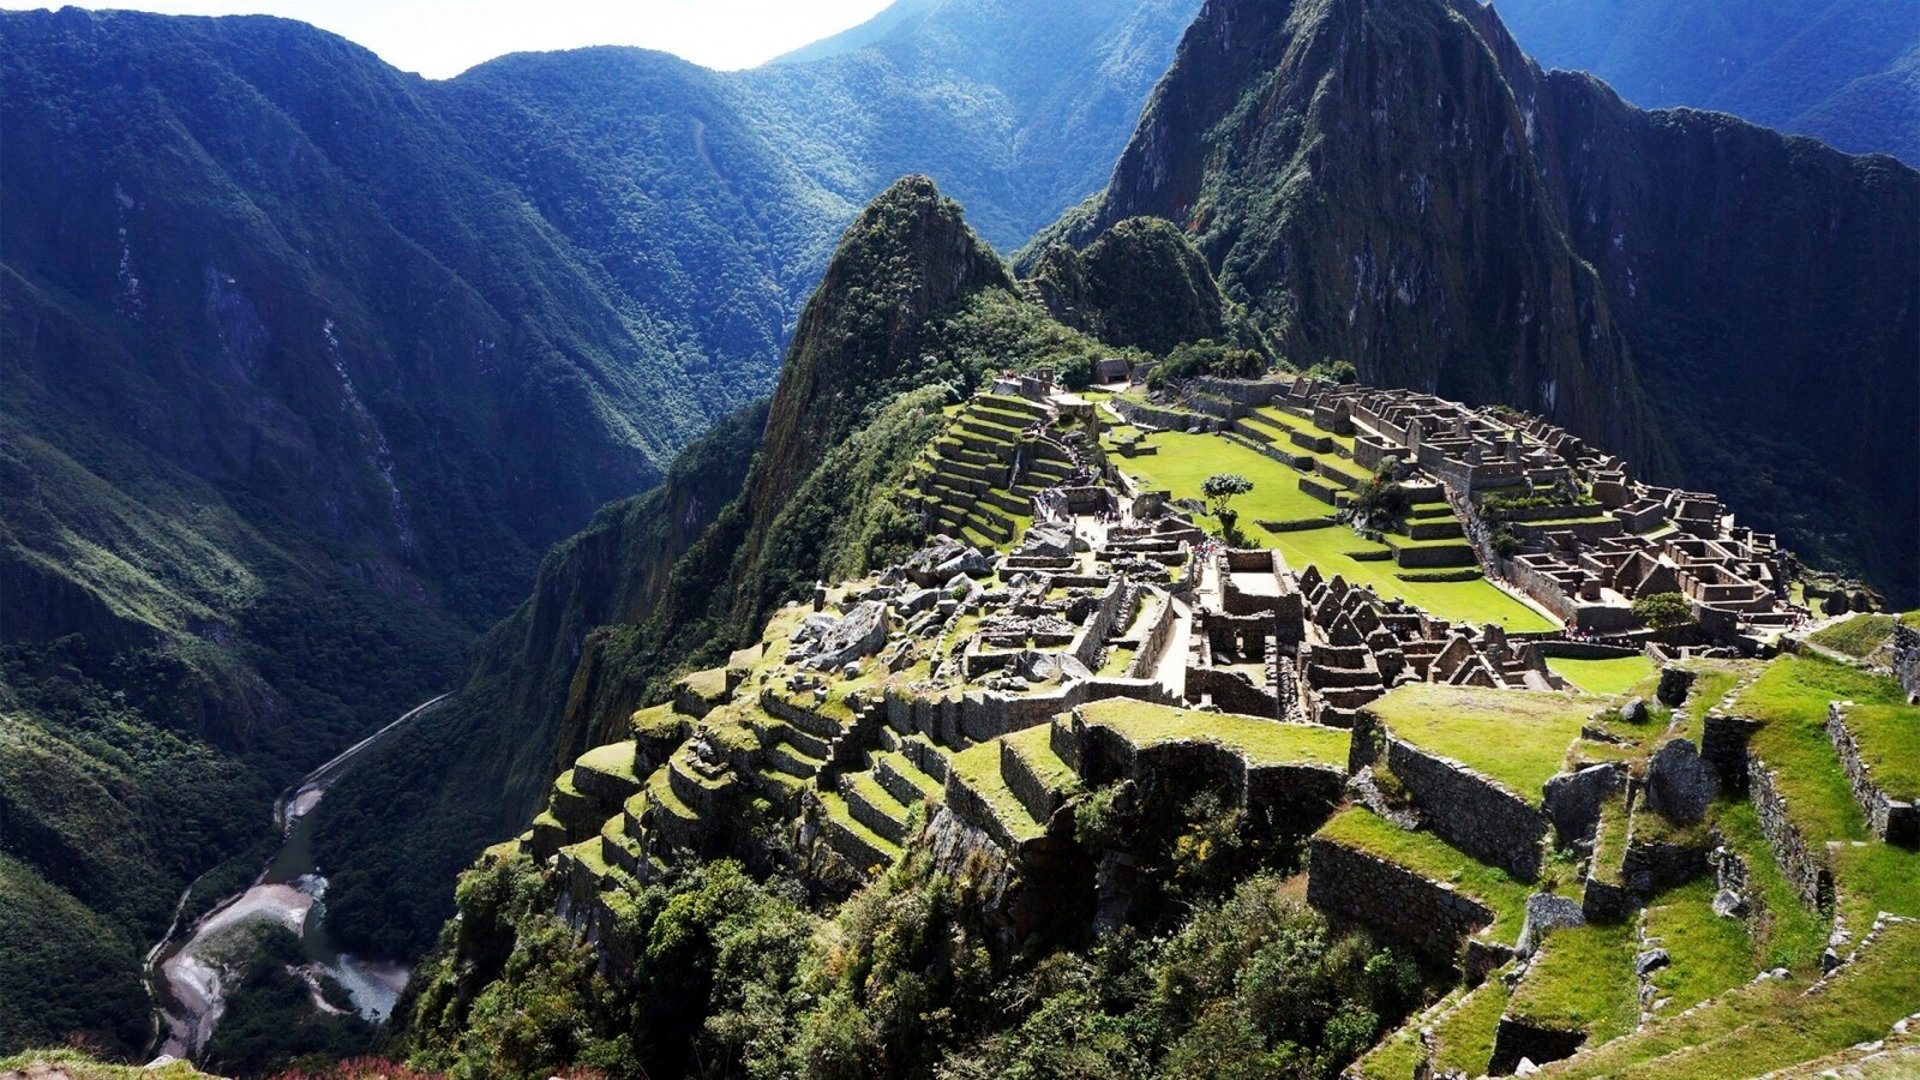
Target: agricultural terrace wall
{"x": 1892, "y": 820}
{"x": 1475, "y": 813}
{"x": 1806, "y": 867}
{"x": 1430, "y": 917}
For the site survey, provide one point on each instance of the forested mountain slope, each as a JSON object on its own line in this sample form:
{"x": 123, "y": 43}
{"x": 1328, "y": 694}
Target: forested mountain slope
{"x": 913, "y": 306}
{"x": 305, "y": 361}
{"x": 1846, "y": 72}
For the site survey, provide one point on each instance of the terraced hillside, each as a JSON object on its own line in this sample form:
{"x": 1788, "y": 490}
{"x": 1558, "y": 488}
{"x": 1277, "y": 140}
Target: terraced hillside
{"x": 1079, "y": 704}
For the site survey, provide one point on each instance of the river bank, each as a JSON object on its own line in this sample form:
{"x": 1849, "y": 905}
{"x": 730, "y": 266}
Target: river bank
{"x": 192, "y": 970}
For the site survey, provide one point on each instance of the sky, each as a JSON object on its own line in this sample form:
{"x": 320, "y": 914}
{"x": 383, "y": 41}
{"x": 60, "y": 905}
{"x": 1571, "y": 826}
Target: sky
{"x": 441, "y": 38}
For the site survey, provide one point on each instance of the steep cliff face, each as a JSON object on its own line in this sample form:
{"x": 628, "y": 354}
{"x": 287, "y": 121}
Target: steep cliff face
{"x": 1360, "y": 176}
{"x": 1773, "y": 298}
{"x": 1397, "y": 185}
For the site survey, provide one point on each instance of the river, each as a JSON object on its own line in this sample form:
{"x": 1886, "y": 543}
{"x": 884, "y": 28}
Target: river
{"x": 191, "y": 970}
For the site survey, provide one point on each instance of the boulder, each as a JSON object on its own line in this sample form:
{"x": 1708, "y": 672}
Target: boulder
{"x": 1729, "y": 904}
{"x": 1680, "y": 783}
{"x": 1036, "y": 666}
{"x": 1651, "y": 960}
{"x": 1048, "y": 542}
{"x": 1635, "y": 711}
{"x": 860, "y": 633}
{"x": 919, "y": 600}
{"x": 1545, "y": 912}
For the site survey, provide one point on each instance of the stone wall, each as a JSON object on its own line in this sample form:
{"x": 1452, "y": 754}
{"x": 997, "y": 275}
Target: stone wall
{"x": 1243, "y": 391}
{"x": 1805, "y": 866}
{"x": 1119, "y": 599}
{"x": 1475, "y": 813}
{"x": 1891, "y": 819}
{"x": 1723, "y": 743}
{"x": 1430, "y": 917}
{"x": 1430, "y": 558}
{"x": 1905, "y": 647}
{"x": 1154, "y": 644}
{"x": 1040, "y": 800}
{"x": 1231, "y": 692}
{"x": 1135, "y": 412}
{"x": 1573, "y": 802}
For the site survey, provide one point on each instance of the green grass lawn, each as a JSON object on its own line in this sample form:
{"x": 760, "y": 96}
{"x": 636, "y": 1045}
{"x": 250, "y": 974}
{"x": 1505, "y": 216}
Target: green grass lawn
{"x": 1430, "y": 857}
{"x": 979, "y": 768}
{"x": 1859, "y": 1005}
{"x": 1264, "y": 742}
{"x": 1463, "y": 1039}
{"x": 1874, "y": 877}
{"x": 1790, "y": 936}
{"x": 1889, "y": 741}
{"x": 1790, "y": 701}
{"x": 1184, "y": 462}
{"x": 1582, "y": 980}
{"x": 1517, "y": 737}
{"x": 1603, "y": 676}
{"x": 1858, "y": 637}
{"x": 1710, "y": 954}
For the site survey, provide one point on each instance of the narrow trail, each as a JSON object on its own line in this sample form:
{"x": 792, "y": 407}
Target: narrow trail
{"x": 187, "y": 990}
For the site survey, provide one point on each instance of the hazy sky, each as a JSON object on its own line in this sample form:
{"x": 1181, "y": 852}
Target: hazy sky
{"x": 438, "y": 38}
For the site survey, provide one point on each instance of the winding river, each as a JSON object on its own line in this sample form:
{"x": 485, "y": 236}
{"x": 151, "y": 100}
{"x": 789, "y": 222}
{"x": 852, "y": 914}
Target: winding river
{"x": 191, "y": 970}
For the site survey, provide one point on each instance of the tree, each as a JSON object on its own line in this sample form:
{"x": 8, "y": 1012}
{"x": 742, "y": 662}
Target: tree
{"x": 1664, "y": 611}
{"x": 1221, "y": 489}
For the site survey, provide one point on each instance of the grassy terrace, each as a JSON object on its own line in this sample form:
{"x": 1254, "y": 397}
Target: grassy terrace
{"x": 1436, "y": 860}
{"x": 1859, "y": 636}
{"x": 836, "y": 807}
{"x": 1875, "y": 877}
{"x": 613, "y": 759}
{"x": 1582, "y": 980}
{"x": 1396, "y": 1056}
{"x": 1610, "y": 840}
{"x": 1715, "y": 1018}
{"x": 1517, "y": 737}
{"x": 1034, "y": 745}
{"x": 1710, "y": 954}
{"x": 1889, "y": 741}
{"x": 659, "y": 721}
{"x": 1463, "y": 1039}
{"x": 1276, "y": 415}
{"x": 1185, "y": 460}
{"x": 1790, "y": 702}
{"x": 1264, "y": 742}
{"x": 979, "y": 768}
{"x": 1713, "y": 681}
{"x": 1604, "y": 677}
{"x": 1790, "y": 936}
{"x": 1860, "y": 1004}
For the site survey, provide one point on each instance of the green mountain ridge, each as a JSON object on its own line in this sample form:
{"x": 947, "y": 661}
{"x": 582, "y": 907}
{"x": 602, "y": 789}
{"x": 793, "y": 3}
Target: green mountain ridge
{"x": 913, "y": 304}
{"x": 306, "y": 361}
{"x": 1841, "y": 71}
